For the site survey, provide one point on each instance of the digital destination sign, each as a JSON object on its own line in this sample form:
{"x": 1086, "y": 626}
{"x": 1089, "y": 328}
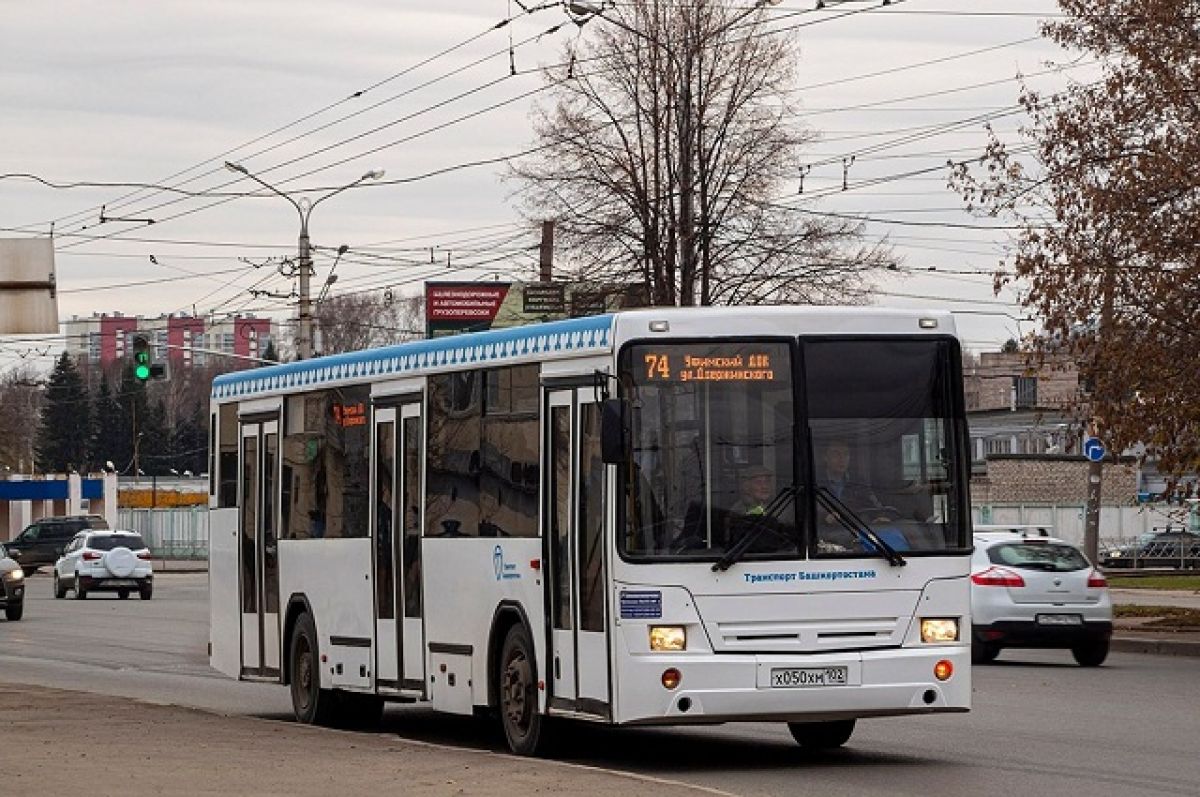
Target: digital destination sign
{"x": 713, "y": 364}
{"x": 347, "y": 415}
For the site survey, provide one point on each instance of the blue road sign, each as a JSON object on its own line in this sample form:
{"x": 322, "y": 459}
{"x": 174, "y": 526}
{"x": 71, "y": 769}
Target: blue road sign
{"x": 1093, "y": 449}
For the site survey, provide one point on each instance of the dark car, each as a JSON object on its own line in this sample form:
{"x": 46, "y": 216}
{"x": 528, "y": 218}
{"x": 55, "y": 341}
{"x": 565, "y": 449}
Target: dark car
{"x": 1170, "y": 548}
{"x": 12, "y": 587}
{"x": 42, "y": 542}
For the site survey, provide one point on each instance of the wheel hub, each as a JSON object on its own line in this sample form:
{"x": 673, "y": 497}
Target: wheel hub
{"x": 303, "y": 677}
{"x": 516, "y": 686}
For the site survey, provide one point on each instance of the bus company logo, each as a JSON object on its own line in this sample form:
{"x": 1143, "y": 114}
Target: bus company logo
{"x": 501, "y": 568}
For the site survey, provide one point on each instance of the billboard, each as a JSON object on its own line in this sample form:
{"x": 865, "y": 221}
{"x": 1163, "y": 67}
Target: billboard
{"x": 28, "y": 296}
{"x": 454, "y": 307}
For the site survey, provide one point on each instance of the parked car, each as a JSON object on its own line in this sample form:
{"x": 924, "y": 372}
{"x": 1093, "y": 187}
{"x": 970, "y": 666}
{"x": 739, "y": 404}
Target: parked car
{"x": 12, "y": 586}
{"x": 43, "y": 541}
{"x": 105, "y": 561}
{"x": 1037, "y": 592}
{"x": 1169, "y": 548}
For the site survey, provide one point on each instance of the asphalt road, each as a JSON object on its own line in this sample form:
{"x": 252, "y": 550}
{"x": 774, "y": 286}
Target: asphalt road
{"x": 1041, "y": 725}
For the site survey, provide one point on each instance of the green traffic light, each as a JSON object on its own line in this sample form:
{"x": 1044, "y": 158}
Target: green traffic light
{"x": 142, "y": 371}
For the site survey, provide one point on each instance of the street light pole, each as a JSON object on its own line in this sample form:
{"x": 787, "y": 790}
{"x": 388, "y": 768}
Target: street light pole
{"x": 304, "y": 336}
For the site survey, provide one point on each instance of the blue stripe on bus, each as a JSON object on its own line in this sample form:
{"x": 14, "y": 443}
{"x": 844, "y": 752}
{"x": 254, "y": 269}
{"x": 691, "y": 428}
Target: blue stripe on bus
{"x": 493, "y": 346}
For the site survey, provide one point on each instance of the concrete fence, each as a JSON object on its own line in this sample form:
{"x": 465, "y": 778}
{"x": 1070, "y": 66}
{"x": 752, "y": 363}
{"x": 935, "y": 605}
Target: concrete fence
{"x": 176, "y": 533}
{"x": 1118, "y": 524}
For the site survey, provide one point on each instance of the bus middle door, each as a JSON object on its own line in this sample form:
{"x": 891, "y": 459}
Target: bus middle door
{"x": 399, "y": 613}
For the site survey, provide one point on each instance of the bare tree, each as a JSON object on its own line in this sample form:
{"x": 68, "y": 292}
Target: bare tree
{"x": 357, "y": 321}
{"x": 669, "y": 138}
{"x": 1108, "y": 213}
{"x": 20, "y": 407}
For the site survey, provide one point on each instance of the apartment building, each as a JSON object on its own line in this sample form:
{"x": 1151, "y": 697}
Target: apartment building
{"x": 184, "y": 341}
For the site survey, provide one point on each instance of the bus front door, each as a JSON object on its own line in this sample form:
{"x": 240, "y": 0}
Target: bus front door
{"x": 576, "y": 518}
{"x": 399, "y": 630}
{"x": 259, "y": 551}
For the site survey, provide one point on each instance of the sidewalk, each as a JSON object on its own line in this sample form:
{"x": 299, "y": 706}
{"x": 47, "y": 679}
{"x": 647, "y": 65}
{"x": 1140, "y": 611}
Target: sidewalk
{"x": 1131, "y": 634}
{"x": 56, "y": 742}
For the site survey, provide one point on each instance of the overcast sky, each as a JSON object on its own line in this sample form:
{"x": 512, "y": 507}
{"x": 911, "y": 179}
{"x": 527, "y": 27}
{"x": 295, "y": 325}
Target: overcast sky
{"x": 164, "y": 92}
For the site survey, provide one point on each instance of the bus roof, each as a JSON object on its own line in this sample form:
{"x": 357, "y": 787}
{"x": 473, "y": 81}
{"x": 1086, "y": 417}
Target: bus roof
{"x": 532, "y": 342}
{"x": 570, "y": 338}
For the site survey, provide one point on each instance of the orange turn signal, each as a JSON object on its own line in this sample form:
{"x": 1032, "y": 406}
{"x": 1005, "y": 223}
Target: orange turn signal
{"x": 671, "y": 678}
{"x": 943, "y": 670}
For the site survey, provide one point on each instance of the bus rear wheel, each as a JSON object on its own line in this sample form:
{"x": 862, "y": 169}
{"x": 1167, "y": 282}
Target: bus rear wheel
{"x": 821, "y": 735}
{"x": 311, "y": 704}
{"x": 518, "y": 693}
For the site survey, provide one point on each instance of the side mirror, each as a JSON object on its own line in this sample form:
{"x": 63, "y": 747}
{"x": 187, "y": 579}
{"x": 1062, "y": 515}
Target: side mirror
{"x": 612, "y": 431}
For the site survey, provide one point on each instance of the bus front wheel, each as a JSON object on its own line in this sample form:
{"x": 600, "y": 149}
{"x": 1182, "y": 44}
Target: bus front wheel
{"x": 311, "y": 704}
{"x": 821, "y": 735}
{"x": 518, "y": 693}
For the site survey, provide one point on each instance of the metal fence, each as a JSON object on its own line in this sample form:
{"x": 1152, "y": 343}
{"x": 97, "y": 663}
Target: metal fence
{"x": 176, "y": 533}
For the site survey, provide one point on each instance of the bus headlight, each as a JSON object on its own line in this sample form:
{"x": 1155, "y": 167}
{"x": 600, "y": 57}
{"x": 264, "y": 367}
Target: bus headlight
{"x": 667, "y": 638}
{"x": 943, "y": 629}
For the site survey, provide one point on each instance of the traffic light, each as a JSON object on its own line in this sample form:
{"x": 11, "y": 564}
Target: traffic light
{"x": 144, "y": 368}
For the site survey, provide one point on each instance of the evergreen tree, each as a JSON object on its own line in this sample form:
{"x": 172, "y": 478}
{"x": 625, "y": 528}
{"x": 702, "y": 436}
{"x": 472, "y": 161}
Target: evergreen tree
{"x": 270, "y": 353}
{"x": 62, "y": 440}
{"x": 132, "y": 422}
{"x": 107, "y": 442}
{"x": 156, "y": 446}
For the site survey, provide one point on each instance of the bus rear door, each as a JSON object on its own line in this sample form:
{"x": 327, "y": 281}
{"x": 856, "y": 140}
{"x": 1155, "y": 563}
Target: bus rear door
{"x": 259, "y": 548}
{"x": 576, "y": 516}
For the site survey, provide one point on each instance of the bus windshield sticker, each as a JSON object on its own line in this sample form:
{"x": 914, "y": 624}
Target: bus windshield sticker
{"x": 641, "y": 605}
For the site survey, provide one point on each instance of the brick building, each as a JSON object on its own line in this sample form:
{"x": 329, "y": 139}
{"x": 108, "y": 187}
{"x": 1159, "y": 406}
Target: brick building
{"x": 1014, "y": 408}
{"x": 1051, "y": 479}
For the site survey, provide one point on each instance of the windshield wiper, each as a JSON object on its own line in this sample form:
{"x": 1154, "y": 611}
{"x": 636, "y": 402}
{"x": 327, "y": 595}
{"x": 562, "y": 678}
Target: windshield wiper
{"x": 857, "y": 526}
{"x": 770, "y": 512}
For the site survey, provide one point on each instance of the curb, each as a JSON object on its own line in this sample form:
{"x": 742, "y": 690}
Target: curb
{"x": 1155, "y": 646}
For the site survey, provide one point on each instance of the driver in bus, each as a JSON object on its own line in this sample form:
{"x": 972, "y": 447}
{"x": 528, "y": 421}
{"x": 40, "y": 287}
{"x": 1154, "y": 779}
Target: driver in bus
{"x": 836, "y": 477}
{"x": 756, "y": 489}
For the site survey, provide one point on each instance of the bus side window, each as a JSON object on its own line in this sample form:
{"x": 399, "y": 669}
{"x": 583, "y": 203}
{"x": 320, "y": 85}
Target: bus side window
{"x": 228, "y": 458}
{"x": 453, "y": 458}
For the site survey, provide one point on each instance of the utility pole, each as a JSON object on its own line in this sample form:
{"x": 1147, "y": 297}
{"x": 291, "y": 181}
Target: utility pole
{"x": 304, "y": 336}
{"x": 546, "y": 253}
{"x": 1095, "y": 477}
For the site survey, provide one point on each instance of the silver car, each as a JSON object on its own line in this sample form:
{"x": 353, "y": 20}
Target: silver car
{"x": 1033, "y": 591}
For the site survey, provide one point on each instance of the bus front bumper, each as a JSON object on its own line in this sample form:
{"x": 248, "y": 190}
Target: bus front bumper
{"x": 793, "y": 688}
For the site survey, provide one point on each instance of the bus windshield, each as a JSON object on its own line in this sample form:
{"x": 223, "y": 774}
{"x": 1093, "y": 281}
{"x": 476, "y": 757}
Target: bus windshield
{"x": 726, "y": 443}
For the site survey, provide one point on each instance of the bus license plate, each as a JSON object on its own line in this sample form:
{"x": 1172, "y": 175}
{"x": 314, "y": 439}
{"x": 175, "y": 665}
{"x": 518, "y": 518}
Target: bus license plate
{"x": 799, "y": 677}
{"x": 1060, "y": 619}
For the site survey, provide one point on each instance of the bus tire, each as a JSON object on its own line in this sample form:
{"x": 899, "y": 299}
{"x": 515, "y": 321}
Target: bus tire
{"x": 821, "y": 735}
{"x": 984, "y": 652}
{"x": 518, "y": 693}
{"x": 311, "y": 704}
{"x": 359, "y": 711}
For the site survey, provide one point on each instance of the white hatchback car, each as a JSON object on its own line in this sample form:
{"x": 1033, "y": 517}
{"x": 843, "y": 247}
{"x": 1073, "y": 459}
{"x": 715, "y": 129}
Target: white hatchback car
{"x": 105, "y": 561}
{"x": 1033, "y": 591}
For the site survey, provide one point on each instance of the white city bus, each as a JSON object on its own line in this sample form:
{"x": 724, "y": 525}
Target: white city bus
{"x": 651, "y": 517}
